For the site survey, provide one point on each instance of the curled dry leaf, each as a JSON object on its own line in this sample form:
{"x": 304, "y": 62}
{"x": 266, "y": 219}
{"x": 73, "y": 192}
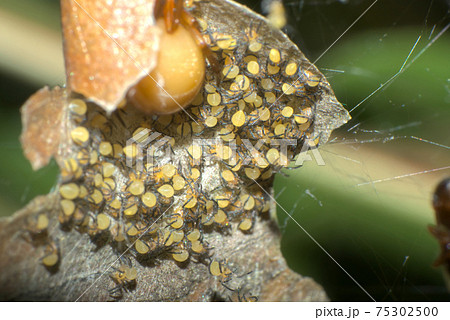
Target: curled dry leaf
{"x": 42, "y": 126}
{"x": 108, "y": 47}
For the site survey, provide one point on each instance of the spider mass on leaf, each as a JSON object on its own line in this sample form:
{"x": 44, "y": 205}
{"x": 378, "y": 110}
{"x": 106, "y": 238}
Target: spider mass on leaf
{"x": 200, "y": 172}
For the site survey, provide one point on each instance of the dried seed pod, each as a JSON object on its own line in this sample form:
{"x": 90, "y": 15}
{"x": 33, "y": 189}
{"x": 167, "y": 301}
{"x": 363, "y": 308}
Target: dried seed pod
{"x": 106, "y": 53}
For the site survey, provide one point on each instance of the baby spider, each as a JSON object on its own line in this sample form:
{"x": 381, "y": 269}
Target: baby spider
{"x": 220, "y": 269}
{"x": 37, "y": 226}
{"x": 125, "y": 278}
{"x": 51, "y": 257}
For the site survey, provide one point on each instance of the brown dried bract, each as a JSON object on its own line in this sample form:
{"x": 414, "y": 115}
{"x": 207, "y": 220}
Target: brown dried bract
{"x": 441, "y": 204}
{"x": 42, "y": 121}
{"x": 108, "y": 47}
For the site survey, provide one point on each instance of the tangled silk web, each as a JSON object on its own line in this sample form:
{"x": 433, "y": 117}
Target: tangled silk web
{"x": 373, "y": 195}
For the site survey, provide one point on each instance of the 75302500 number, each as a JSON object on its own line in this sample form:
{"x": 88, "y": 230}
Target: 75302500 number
{"x": 407, "y": 311}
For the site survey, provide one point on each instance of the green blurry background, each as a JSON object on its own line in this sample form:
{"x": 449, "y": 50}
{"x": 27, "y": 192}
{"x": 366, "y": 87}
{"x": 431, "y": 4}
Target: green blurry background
{"x": 364, "y": 206}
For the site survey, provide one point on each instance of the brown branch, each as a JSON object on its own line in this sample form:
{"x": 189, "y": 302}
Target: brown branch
{"x": 83, "y": 271}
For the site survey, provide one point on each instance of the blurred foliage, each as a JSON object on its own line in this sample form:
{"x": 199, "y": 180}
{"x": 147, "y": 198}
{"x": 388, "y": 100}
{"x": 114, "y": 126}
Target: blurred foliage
{"x": 43, "y": 12}
{"x": 377, "y": 232}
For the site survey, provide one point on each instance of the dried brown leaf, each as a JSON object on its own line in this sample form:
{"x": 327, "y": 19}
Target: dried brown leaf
{"x": 108, "y": 47}
{"x": 42, "y": 125}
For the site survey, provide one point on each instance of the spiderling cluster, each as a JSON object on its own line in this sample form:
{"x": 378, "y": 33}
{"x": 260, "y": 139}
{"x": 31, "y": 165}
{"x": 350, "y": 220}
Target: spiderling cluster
{"x": 159, "y": 184}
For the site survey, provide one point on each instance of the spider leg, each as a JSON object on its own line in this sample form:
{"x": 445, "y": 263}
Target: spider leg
{"x": 174, "y": 14}
{"x": 167, "y": 9}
